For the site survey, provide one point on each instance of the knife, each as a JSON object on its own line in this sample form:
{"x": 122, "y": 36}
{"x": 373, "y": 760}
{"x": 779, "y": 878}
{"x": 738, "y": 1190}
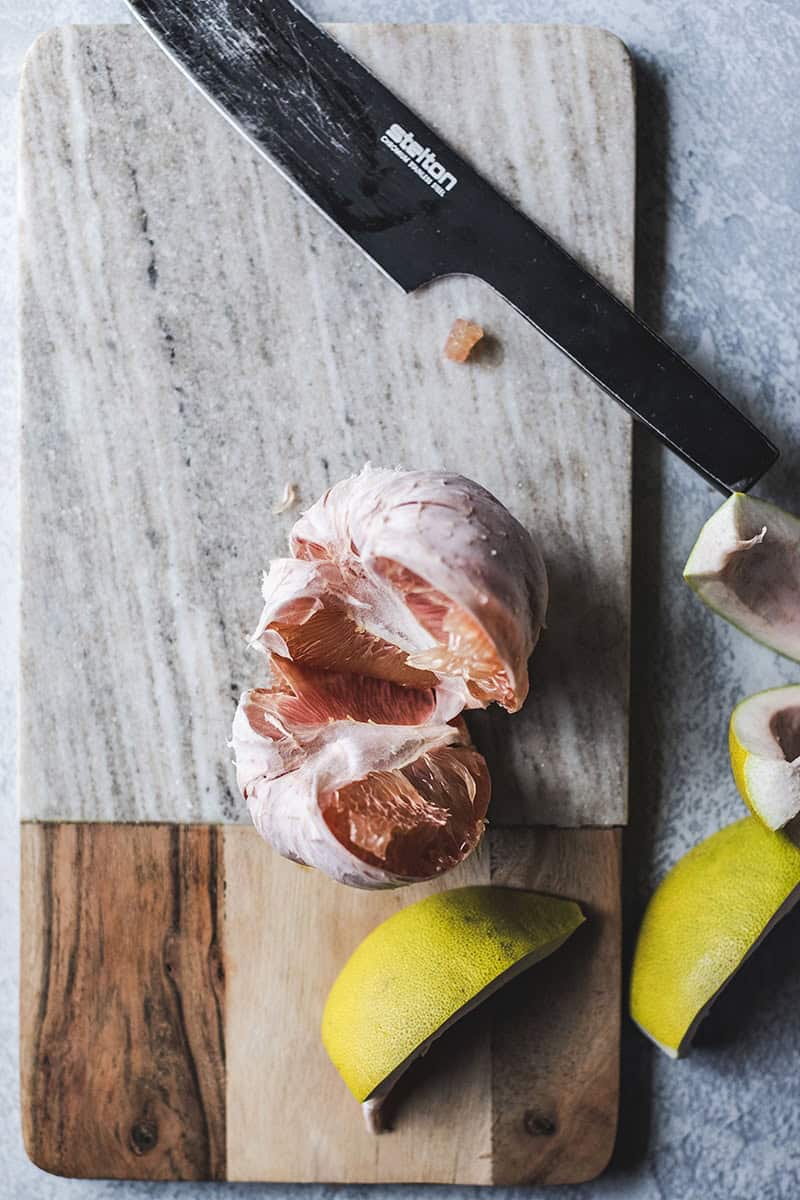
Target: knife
{"x": 419, "y": 211}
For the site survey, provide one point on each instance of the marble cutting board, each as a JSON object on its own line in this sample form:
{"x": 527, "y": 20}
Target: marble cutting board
{"x": 194, "y": 337}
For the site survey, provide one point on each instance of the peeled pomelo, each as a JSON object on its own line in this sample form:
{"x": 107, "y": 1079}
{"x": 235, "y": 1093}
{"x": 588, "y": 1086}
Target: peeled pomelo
{"x": 419, "y": 577}
{"x": 745, "y": 565}
{"x": 706, "y": 917}
{"x": 408, "y": 596}
{"x": 368, "y": 780}
{"x": 425, "y": 967}
{"x": 764, "y": 743}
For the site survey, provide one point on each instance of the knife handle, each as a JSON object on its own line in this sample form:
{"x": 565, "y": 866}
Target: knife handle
{"x": 327, "y": 124}
{"x": 616, "y": 349}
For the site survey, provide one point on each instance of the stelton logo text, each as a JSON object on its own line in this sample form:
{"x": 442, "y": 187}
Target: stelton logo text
{"x": 421, "y": 159}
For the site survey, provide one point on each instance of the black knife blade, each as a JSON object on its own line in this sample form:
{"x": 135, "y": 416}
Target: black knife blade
{"x": 419, "y": 211}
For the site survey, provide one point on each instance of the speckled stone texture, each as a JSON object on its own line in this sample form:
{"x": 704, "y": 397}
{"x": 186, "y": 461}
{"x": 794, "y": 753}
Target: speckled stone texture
{"x": 719, "y": 248}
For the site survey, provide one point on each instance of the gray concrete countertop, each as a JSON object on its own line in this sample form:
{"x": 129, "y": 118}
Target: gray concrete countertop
{"x": 719, "y": 252}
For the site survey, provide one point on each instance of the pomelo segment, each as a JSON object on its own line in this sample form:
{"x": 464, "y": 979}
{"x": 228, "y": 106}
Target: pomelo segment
{"x": 303, "y": 696}
{"x": 360, "y": 777}
{"x": 764, "y": 743}
{"x": 425, "y": 967}
{"x": 310, "y": 616}
{"x": 705, "y": 918}
{"x": 416, "y": 821}
{"x": 413, "y": 576}
{"x": 745, "y": 565}
{"x": 462, "y": 646}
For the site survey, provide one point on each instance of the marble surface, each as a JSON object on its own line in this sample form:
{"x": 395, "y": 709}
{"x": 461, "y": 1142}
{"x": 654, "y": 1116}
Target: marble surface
{"x": 169, "y": 394}
{"x": 718, "y": 248}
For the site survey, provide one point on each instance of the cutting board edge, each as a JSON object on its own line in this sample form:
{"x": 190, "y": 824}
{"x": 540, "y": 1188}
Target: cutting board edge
{"x": 156, "y": 822}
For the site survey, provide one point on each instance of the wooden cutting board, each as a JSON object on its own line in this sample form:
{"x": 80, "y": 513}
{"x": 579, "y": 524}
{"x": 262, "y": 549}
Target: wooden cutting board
{"x": 194, "y": 337}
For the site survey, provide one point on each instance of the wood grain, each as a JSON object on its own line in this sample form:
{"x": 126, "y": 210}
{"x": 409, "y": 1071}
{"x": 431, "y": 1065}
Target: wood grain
{"x": 305, "y": 1125}
{"x": 524, "y": 1090}
{"x": 194, "y": 335}
{"x": 131, "y": 992}
{"x": 122, "y": 1001}
{"x": 555, "y": 1030}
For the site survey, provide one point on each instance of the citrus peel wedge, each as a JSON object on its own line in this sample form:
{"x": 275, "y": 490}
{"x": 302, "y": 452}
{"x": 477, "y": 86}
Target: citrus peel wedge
{"x": 745, "y": 565}
{"x": 706, "y": 917}
{"x": 764, "y": 743}
{"x": 425, "y": 967}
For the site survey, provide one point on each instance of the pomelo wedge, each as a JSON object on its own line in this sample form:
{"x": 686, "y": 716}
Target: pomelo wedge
{"x": 422, "y": 969}
{"x": 745, "y": 566}
{"x": 706, "y": 917}
{"x": 420, "y": 577}
{"x": 363, "y": 778}
{"x": 764, "y": 742}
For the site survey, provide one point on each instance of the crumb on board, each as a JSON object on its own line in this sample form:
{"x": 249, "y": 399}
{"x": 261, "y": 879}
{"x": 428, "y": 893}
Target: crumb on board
{"x": 287, "y": 500}
{"x": 461, "y": 340}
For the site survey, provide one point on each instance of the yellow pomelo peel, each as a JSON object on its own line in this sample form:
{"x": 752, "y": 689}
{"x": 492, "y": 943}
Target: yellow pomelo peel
{"x": 423, "y": 968}
{"x": 702, "y": 922}
{"x": 738, "y": 756}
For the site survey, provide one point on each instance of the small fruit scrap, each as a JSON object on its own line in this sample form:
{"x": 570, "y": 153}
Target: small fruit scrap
{"x": 745, "y": 566}
{"x": 425, "y": 967}
{"x": 408, "y": 597}
{"x": 707, "y": 916}
{"x": 287, "y": 500}
{"x": 461, "y": 340}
